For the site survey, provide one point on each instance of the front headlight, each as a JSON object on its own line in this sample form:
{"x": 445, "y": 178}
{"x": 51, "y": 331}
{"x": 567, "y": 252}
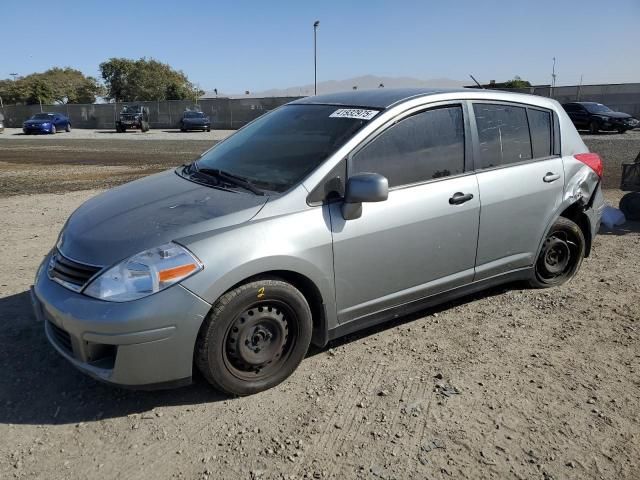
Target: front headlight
{"x": 143, "y": 274}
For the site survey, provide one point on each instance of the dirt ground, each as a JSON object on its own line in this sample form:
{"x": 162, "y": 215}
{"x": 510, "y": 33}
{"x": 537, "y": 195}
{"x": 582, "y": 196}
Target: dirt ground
{"x": 510, "y": 383}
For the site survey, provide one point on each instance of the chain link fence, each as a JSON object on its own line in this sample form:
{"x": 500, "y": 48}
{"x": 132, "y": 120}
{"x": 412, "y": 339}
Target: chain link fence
{"x": 225, "y": 113}
{"x": 232, "y": 113}
{"x": 624, "y": 97}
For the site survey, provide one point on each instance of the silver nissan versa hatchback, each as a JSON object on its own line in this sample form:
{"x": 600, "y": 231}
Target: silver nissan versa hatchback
{"x": 320, "y": 218}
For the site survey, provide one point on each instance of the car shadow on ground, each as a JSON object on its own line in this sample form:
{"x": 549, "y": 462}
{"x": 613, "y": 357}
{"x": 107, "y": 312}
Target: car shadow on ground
{"x": 39, "y": 387}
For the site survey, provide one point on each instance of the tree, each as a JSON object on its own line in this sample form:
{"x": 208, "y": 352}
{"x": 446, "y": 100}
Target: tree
{"x": 56, "y": 85}
{"x": 139, "y": 80}
{"x": 517, "y": 82}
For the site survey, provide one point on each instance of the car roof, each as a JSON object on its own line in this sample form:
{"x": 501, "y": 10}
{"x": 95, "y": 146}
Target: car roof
{"x": 375, "y": 98}
{"x": 383, "y": 98}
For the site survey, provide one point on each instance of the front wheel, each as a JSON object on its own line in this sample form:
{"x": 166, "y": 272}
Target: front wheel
{"x": 68, "y": 129}
{"x": 593, "y": 127}
{"x": 560, "y": 256}
{"x": 53, "y": 129}
{"x": 255, "y": 337}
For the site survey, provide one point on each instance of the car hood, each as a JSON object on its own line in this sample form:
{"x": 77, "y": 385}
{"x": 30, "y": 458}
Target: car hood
{"x": 614, "y": 115}
{"x": 150, "y": 212}
{"x": 195, "y": 120}
{"x": 37, "y": 122}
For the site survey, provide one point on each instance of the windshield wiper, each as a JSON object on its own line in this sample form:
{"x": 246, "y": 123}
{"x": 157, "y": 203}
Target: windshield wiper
{"x": 227, "y": 177}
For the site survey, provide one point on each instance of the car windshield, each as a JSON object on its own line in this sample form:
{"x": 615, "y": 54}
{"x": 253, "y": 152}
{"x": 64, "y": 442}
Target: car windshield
{"x": 42, "y": 116}
{"x": 194, "y": 115}
{"x": 131, "y": 109}
{"x": 282, "y": 147}
{"x": 597, "y": 108}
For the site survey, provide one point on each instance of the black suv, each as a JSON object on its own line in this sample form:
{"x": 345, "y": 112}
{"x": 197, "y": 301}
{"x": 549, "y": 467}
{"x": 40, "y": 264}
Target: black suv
{"x": 194, "y": 120}
{"x": 594, "y": 117}
{"x": 133, "y": 116}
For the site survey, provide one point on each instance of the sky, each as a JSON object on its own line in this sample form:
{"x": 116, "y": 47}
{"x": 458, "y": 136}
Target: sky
{"x": 257, "y": 45}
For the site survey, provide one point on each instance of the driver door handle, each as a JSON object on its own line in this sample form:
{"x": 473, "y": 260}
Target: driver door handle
{"x": 550, "y": 177}
{"x": 460, "y": 197}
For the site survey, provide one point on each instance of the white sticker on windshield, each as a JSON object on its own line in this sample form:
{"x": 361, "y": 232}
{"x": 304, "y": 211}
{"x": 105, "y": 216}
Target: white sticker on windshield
{"x": 358, "y": 113}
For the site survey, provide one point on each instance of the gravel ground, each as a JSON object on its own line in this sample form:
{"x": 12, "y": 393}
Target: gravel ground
{"x": 510, "y": 383}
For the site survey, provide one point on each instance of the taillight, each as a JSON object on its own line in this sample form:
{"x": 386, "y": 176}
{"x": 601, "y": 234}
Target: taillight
{"x": 592, "y": 160}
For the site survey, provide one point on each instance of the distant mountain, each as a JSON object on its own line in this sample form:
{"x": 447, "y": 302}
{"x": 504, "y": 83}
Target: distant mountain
{"x": 363, "y": 82}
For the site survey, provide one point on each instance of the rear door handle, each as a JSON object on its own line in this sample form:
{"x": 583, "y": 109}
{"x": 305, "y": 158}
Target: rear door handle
{"x": 460, "y": 197}
{"x": 550, "y": 177}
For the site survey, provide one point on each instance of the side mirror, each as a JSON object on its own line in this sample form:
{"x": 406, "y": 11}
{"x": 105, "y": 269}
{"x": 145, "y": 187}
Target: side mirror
{"x": 363, "y": 187}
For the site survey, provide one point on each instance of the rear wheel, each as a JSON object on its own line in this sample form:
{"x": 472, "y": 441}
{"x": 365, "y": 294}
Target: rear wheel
{"x": 254, "y": 338}
{"x": 630, "y": 206}
{"x": 560, "y": 256}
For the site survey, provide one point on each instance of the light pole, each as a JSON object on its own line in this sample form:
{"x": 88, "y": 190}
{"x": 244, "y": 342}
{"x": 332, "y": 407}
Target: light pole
{"x": 14, "y": 75}
{"x": 316, "y": 24}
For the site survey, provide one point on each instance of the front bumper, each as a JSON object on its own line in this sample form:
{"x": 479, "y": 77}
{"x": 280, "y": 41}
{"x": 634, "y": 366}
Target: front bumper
{"x": 36, "y": 129}
{"x": 196, "y": 126}
{"x": 146, "y": 343}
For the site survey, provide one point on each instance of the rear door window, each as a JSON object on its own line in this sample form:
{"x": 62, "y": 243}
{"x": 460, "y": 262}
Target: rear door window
{"x": 540, "y": 126}
{"x": 419, "y": 148}
{"x": 503, "y": 134}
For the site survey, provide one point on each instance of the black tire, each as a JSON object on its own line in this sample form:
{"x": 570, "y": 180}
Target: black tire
{"x": 622, "y": 130}
{"x": 254, "y": 337}
{"x": 145, "y": 126}
{"x": 68, "y": 128}
{"x": 594, "y": 128}
{"x": 561, "y": 255}
{"x": 182, "y": 128}
{"x": 208, "y": 129}
{"x": 53, "y": 130}
{"x": 630, "y": 206}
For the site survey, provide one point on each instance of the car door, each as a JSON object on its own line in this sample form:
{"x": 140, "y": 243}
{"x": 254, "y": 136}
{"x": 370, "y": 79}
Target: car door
{"x": 581, "y": 117}
{"x": 422, "y": 239}
{"x": 521, "y": 181}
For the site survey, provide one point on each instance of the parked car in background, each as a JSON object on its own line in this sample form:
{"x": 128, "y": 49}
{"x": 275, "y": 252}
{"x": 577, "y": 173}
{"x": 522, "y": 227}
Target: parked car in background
{"x": 46, "y": 123}
{"x": 594, "y": 117}
{"x": 133, "y": 116}
{"x": 320, "y": 218}
{"x": 194, "y": 120}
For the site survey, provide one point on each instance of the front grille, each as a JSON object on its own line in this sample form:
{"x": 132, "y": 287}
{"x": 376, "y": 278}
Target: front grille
{"x": 62, "y": 338}
{"x": 71, "y": 274}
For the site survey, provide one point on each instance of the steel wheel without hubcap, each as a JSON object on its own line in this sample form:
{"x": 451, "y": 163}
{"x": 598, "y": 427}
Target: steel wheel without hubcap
{"x": 561, "y": 254}
{"x": 254, "y": 337}
{"x": 258, "y": 341}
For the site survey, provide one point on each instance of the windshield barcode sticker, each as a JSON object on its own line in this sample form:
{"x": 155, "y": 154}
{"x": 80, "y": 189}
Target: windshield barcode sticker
{"x": 358, "y": 113}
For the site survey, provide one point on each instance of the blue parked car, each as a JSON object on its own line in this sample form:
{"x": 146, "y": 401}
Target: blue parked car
{"x": 46, "y": 123}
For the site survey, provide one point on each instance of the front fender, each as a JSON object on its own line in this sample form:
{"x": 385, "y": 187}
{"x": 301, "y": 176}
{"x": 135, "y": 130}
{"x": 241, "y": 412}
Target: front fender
{"x": 299, "y": 243}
